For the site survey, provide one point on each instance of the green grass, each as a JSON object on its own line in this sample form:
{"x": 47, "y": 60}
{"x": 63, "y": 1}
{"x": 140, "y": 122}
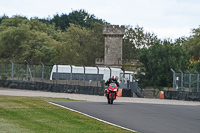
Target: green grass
{"x": 34, "y": 115}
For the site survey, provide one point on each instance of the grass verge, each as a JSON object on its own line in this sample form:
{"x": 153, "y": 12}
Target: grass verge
{"x": 34, "y": 115}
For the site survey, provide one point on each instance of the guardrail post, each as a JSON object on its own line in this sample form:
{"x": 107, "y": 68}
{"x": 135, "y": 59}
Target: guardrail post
{"x": 12, "y": 69}
{"x": 110, "y": 71}
{"x": 181, "y": 80}
{"x": 42, "y": 72}
{"x": 83, "y": 75}
{"x": 123, "y": 69}
{"x": 71, "y": 75}
{"x": 97, "y": 74}
{"x": 174, "y": 79}
{"x": 26, "y": 70}
{"x": 189, "y": 80}
{"x": 197, "y": 81}
{"x": 56, "y": 73}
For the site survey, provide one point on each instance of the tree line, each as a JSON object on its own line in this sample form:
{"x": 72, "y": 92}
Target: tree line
{"x": 76, "y": 38}
{"x": 66, "y": 39}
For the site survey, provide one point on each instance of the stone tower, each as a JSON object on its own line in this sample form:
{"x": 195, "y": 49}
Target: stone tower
{"x": 113, "y": 45}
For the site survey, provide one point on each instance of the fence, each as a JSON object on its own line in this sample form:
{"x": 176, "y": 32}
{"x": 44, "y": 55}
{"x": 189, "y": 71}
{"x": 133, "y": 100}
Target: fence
{"x": 185, "y": 81}
{"x": 42, "y": 73}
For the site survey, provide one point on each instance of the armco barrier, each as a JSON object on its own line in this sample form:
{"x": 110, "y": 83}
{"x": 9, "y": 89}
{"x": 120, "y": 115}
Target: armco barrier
{"x": 126, "y": 93}
{"x": 182, "y": 95}
{"x": 63, "y": 88}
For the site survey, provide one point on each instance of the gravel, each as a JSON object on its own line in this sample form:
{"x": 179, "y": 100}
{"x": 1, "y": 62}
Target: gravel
{"x": 92, "y": 98}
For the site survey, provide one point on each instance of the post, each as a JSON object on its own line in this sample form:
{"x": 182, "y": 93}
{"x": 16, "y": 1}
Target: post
{"x": 123, "y": 69}
{"x": 26, "y": 70}
{"x": 12, "y": 69}
{"x": 97, "y": 75}
{"x": 56, "y": 73}
{"x": 174, "y": 79}
{"x": 181, "y": 80}
{"x": 110, "y": 71}
{"x": 197, "y": 81}
{"x": 42, "y": 72}
{"x": 189, "y": 80}
{"x": 71, "y": 75}
{"x": 129, "y": 81}
{"x": 83, "y": 75}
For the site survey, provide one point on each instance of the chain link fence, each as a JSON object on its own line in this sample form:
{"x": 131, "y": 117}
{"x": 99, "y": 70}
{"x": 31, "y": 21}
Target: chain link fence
{"x": 185, "y": 81}
{"x": 42, "y": 73}
{"x": 5, "y": 71}
{"x": 24, "y": 72}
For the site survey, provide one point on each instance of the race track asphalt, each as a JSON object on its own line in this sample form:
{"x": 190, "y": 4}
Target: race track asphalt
{"x": 142, "y": 117}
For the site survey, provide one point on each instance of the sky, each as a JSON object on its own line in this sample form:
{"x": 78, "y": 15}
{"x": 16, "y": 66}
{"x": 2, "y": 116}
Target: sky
{"x": 168, "y": 19}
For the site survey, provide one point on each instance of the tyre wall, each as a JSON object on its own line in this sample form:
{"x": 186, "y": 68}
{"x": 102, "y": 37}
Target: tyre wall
{"x": 182, "y": 95}
{"x": 63, "y": 88}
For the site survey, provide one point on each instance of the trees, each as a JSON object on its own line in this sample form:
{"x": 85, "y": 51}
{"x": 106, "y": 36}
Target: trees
{"x": 77, "y": 17}
{"x": 80, "y": 45}
{"x": 3, "y": 17}
{"x": 192, "y": 44}
{"x": 21, "y": 39}
{"x": 158, "y": 60}
{"x": 37, "y": 40}
{"x": 134, "y": 40}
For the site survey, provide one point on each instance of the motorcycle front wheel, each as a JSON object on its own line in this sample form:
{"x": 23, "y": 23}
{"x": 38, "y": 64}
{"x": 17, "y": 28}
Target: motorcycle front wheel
{"x": 112, "y": 99}
{"x": 108, "y": 101}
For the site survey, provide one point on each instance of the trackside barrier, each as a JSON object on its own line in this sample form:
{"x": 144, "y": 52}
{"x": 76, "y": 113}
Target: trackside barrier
{"x": 162, "y": 95}
{"x": 63, "y": 88}
{"x": 182, "y": 95}
{"x": 126, "y": 93}
{"x": 119, "y": 94}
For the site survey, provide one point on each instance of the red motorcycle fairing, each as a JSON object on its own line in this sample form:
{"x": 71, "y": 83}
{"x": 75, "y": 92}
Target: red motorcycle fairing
{"x": 112, "y": 92}
{"x": 114, "y": 95}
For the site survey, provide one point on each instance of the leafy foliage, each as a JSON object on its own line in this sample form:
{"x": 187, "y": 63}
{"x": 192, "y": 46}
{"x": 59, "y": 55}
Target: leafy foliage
{"x": 39, "y": 40}
{"x": 194, "y": 65}
{"x": 192, "y": 44}
{"x": 158, "y": 60}
{"x": 21, "y": 39}
{"x": 134, "y": 39}
{"x": 77, "y": 17}
{"x": 80, "y": 45}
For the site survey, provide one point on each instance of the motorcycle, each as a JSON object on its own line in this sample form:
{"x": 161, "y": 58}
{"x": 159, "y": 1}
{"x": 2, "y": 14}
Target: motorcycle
{"x": 111, "y": 92}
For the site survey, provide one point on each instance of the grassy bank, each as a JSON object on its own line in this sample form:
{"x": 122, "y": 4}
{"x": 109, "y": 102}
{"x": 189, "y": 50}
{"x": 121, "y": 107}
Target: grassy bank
{"x": 34, "y": 115}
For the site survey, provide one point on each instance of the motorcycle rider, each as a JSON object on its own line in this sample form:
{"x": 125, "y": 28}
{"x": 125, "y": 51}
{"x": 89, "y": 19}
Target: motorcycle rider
{"x": 110, "y": 80}
{"x": 116, "y": 82}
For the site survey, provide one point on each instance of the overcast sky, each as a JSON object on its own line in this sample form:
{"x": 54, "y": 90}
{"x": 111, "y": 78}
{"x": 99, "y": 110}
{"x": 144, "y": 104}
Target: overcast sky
{"x": 166, "y": 18}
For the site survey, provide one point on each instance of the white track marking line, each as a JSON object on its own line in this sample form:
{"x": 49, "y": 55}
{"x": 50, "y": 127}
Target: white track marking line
{"x": 92, "y": 117}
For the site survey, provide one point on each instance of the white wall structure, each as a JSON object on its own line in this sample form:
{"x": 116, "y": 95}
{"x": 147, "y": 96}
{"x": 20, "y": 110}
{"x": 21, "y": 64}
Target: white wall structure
{"x": 92, "y": 70}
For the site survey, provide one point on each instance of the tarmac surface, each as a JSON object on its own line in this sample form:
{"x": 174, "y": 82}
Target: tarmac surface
{"x": 142, "y": 117}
